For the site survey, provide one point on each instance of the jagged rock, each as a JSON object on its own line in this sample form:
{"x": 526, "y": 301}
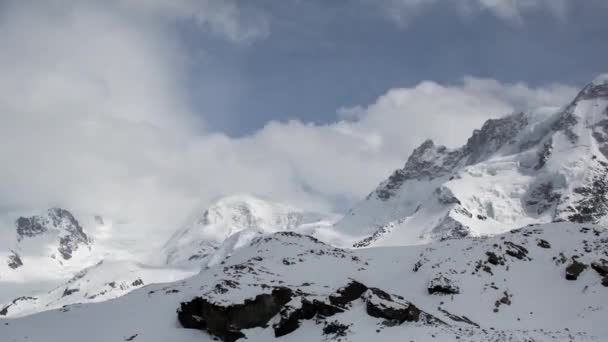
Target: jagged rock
{"x": 593, "y": 204}
{"x": 543, "y": 243}
{"x": 516, "y": 250}
{"x": 575, "y": 269}
{"x": 137, "y": 282}
{"x": 68, "y": 292}
{"x": 291, "y": 317}
{"x": 442, "y": 285}
{"x": 494, "y": 259}
{"x": 335, "y": 328}
{"x": 605, "y": 281}
{"x": 380, "y": 304}
{"x": 494, "y": 134}
{"x": 14, "y": 260}
{"x": 601, "y": 267}
{"x": 226, "y": 322}
{"x": 72, "y": 234}
{"x": 347, "y": 294}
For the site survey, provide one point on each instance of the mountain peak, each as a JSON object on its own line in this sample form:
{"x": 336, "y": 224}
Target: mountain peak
{"x": 58, "y": 222}
{"x": 513, "y": 171}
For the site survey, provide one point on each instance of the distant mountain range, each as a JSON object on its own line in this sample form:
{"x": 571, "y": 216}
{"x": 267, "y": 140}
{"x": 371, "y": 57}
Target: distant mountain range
{"x": 502, "y": 239}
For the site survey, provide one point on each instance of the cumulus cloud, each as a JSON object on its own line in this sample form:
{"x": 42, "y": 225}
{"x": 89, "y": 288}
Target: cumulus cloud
{"x": 512, "y": 11}
{"x": 94, "y": 119}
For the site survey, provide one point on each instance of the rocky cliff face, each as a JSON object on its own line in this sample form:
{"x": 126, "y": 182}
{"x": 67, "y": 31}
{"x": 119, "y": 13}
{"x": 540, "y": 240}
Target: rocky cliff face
{"x": 521, "y": 169}
{"x": 59, "y": 222}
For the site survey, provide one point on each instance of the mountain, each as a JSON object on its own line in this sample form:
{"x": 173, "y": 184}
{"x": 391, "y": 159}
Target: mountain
{"x": 539, "y": 167}
{"x": 543, "y": 283}
{"x": 52, "y": 240}
{"x": 502, "y": 239}
{"x": 231, "y": 222}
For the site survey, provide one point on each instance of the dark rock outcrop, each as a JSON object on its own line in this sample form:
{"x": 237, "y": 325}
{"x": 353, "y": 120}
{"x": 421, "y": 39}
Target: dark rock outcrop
{"x": 72, "y": 234}
{"x": 574, "y": 270}
{"x": 380, "y": 304}
{"x": 442, "y": 285}
{"x": 601, "y": 267}
{"x": 354, "y": 290}
{"x": 291, "y": 317}
{"x": 14, "y": 260}
{"x": 226, "y": 322}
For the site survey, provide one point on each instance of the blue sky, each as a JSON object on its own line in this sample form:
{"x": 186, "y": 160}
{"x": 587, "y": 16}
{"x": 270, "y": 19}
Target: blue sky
{"x": 145, "y": 110}
{"x": 319, "y": 57}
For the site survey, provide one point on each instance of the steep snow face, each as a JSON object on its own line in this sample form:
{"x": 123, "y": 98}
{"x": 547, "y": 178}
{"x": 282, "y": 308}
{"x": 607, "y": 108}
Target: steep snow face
{"x": 538, "y": 167}
{"x": 542, "y": 283}
{"x": 43, "y": 243}
{"x": 241, "y": 216}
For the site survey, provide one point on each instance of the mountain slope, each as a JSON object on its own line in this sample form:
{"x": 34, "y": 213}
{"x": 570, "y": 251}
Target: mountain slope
{"x": 538, "y": 167}
{"x": 511, "y": 287}
{"x": 240, "y": 217}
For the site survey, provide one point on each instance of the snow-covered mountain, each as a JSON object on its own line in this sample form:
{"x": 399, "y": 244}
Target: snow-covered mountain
{"x": 51, "y": 244}
{"x": 231, "y": 222}
{"x": 541, "y": 283}
{"x": 545, "y": 166}
{"x": 503, "y": 239}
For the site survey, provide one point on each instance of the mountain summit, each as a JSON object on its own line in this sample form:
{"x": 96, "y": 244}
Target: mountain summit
{"x": 525, "y": 168}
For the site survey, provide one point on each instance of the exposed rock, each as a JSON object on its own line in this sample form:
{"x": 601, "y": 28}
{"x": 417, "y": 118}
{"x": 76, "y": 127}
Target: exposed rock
{"x": 575, "y": 269}
{"x": 494, "y": 134}
{"x": 14, "y": 260}
{"x": 335, "y": 328}
{"x": 137, "y": 282}
{"x": 593, "y": 203}
{"x": 442, "y": 285}
{"x": 494, "y": 259}
{"x": 72, "y": 234}
{"x": 516, "y": 250}
{"x": 601, "y": 267}
{"x": 347, "y": 294}
{"x": 380, "y": 304}
{"x": 68, "y": 292}
{"x": 291, "y": 317}
{"x": 226, "y": 322}
{"x": 456, "y": 318}
{"x": 543, "y": 243}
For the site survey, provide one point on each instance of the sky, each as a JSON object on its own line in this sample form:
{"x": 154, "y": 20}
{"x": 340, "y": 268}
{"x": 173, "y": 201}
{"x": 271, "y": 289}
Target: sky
{"x": 143, "y": 111}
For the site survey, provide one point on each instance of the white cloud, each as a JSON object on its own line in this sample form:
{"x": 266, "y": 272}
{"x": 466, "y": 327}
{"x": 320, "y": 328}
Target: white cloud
{"x": 93, "y": 119}
{"x": 512, "y": 11}
{"x": 228, "y": 18}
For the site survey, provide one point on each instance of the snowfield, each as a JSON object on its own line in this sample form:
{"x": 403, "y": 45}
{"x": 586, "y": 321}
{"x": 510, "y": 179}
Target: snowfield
{"x": 510, "y": 287}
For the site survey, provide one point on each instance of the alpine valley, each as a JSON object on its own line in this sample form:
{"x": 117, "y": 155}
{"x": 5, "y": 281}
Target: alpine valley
{"x": 502, "y": 239}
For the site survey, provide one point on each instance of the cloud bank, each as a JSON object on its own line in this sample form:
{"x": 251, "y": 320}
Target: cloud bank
{"x": 95, "y": 119}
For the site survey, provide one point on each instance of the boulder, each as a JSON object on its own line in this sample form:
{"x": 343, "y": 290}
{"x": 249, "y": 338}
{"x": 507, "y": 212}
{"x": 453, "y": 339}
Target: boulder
{"x": 442, "y": 285}
{"x": 575, "y": 269}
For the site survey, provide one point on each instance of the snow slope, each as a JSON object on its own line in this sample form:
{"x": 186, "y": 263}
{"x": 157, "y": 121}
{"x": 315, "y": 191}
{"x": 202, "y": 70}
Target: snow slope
{"x": 231, "y": 222}
{"x": 510, "y": 287}
{"x": 525, "y": 168}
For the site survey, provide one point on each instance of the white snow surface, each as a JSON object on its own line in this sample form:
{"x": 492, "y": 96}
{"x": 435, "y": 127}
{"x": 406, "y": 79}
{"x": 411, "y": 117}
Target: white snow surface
{"x": 542, "y": 304}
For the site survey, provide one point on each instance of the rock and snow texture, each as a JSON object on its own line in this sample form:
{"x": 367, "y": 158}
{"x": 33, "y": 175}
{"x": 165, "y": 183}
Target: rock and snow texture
{"x": 538, "y": 167}
{"x": 230, "y": 223}
{"x": 33, "y": 247}
{"x": 512, "y": 287}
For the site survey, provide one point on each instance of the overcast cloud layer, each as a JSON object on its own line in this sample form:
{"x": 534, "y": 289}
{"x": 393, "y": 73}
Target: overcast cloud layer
{"x": 95, "y": 116}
